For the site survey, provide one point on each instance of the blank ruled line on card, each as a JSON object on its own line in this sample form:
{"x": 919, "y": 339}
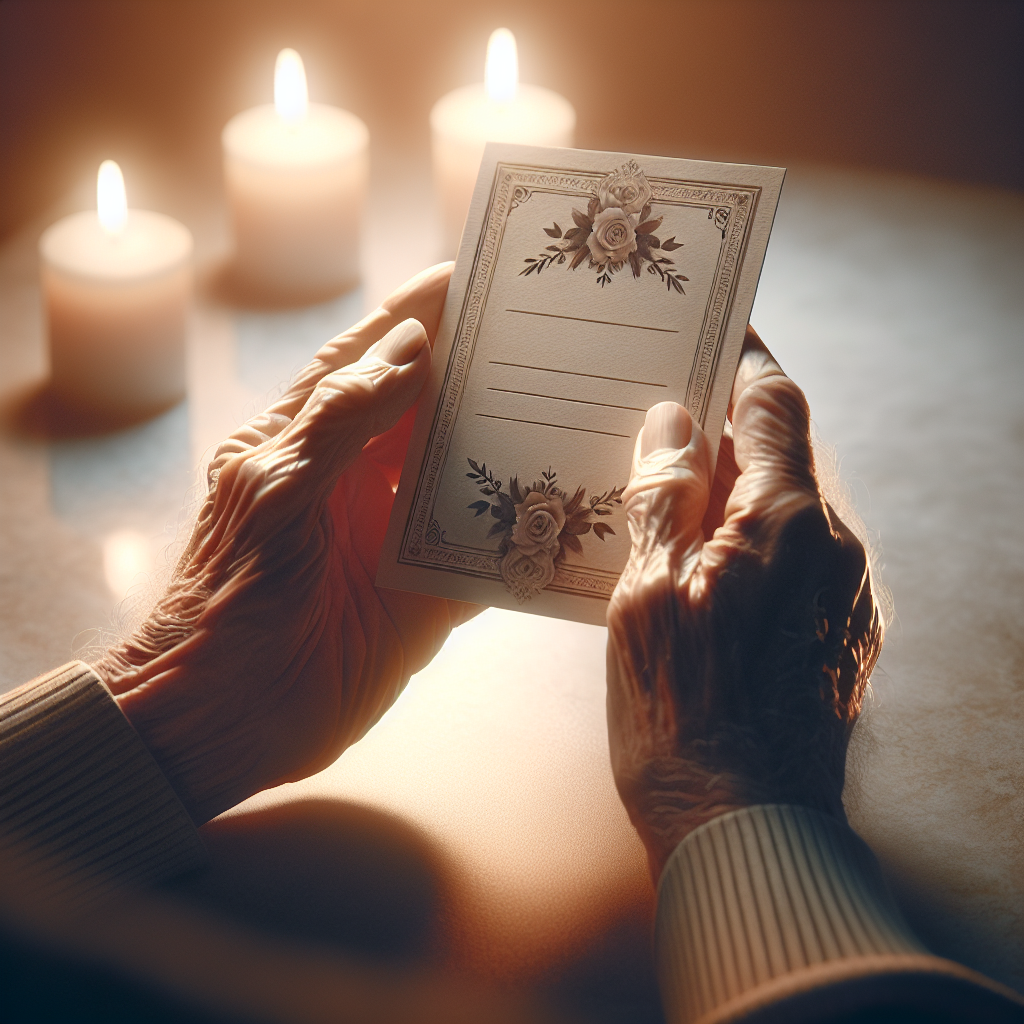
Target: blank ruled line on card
{"x": 577, "y": 373}
{"x": 588, "y": 320}
{"x": 557, "y": 426}
{"x": 576, "y": 401}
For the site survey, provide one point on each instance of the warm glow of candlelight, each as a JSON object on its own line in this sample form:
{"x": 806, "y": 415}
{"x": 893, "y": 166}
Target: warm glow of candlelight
{"x": 291, "y": 98}
{"x": 501, "y": 72}
{"x": 111, "y": 201}
{"x": 127, "y": 555}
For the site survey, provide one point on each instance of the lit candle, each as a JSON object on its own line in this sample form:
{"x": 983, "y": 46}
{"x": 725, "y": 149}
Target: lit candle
{"x": 296, "y": 175}
{"x": 500, "y": 110}
{"x": 116, "y": 286}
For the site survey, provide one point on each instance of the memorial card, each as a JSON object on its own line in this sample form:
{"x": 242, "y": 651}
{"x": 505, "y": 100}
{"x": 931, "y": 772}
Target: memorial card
{"x": 588, "y": 287}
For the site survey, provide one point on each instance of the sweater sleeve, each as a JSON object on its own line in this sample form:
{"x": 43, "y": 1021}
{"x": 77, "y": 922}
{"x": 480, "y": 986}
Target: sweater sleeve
{"x": 81, "y": 794}
{"x": 780, "y": 913}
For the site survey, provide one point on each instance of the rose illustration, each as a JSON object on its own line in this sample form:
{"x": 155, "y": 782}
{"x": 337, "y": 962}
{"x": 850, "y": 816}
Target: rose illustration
{"x": 613, "y": 237}
{"x": 539, "y": 521}
{"x": 626, "y": 189}
{"x": 540, "y": 525}
{"x": 525, "y": 575}
{"x": 616, "y": 230}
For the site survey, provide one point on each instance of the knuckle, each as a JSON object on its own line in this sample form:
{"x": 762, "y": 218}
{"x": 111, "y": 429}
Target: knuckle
{"x": 349, "y": 389}
{"x": 779, "y": 397}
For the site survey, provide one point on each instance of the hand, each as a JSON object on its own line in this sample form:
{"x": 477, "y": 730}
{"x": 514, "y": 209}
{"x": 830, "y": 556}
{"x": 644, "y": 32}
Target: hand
{"x": 272, "y": 650}
{"x": 736, "y": 664}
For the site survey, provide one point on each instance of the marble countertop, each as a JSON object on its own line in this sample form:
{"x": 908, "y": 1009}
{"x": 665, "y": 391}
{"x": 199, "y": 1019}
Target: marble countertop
{"x": 897, "y": 304}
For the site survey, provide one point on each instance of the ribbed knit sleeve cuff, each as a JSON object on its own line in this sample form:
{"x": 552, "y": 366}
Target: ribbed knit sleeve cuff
{"x": 81, "y": 794}
{"x": 780, "y": 912}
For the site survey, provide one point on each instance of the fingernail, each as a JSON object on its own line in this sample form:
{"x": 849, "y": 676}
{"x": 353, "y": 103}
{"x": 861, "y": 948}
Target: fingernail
{"x": 667, "y": 426}
{"x": 402, "y": 344}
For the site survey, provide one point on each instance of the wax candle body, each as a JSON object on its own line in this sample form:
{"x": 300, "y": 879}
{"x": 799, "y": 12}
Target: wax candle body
{"x": 296, "y": 192}
{"x": 117, "y": 311}
{"x": 464, "y": 120}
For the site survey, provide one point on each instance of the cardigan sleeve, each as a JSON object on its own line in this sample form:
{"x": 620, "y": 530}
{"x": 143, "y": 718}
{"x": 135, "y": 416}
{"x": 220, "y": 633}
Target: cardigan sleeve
{"x": 780, "y": 913}
{"x": 80, "y": 794}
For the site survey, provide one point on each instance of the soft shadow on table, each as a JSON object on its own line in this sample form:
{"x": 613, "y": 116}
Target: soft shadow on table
{"x": 368, "y": 884}
{"x": 37, "y": 413}
{"x": 219, "y": 284}
{"x": 325, "y": 871}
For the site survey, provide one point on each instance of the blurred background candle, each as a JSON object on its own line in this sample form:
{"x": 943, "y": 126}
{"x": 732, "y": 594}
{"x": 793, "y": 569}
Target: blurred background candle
{"x": 116, "y": 286}
{"x": 296, "y": 177}
{"x": 500, "y": 110}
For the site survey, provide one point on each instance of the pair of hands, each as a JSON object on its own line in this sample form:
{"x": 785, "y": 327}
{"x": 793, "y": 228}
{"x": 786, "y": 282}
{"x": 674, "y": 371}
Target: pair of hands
{"x": 736, "y": 665}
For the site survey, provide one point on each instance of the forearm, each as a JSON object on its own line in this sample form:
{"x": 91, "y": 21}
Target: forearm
{"x": 80, "y": 793}
{"x": 782, "y": 911}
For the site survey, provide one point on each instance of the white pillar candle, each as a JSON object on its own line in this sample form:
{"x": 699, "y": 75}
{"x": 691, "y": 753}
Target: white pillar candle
{"x": 500, "y": 110}
{"x": 296, "y": 176}
{"x": 116, "y": 285}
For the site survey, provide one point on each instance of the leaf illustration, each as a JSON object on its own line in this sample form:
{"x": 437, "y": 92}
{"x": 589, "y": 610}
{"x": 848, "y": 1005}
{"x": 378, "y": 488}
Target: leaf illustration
{"x": 645, "y": 212}
{"x": 601, "y": 530}
{"x": 582, "y": 253}
{"x": 571, "y": 543}
{"x": 517, "y": 494}
{"x": 552, "y": 248}
{"x": 649, "y": 227}
{"x": 506, "y": 510}
{"x": 575, "y": 502}
{"x": 554, "y": 232}
{"x": 495, "y": 529}
{"x": 671, "y": 244}
{"x": 652, "y": 241}
{"x": 593, "y": 207}
{"x": 487, "y": 490}
{"x": 480, "y": 506}
{"x": 473, "y": 465}
{"x": 634, "y": 262}
{"x": 577, "y": 526}
{"x": 582, "y": 220}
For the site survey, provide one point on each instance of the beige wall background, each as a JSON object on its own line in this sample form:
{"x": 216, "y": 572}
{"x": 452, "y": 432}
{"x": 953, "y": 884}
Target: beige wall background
{"x": 931, "y": 87}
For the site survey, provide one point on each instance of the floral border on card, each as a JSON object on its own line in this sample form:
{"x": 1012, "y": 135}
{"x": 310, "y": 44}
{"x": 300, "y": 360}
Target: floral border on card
{"x": 732, "y": 209}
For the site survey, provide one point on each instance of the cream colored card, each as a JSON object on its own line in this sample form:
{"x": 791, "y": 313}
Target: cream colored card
{"x": 589, "y": 287}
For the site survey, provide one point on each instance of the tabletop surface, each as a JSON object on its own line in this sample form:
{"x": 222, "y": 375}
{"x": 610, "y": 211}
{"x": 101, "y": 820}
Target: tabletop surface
{"x": 897, "y": 305}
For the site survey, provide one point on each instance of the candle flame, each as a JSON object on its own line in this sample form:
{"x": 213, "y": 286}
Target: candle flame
{"x": 291, "y": 97}
{"x": 111, "y": 201}
{"x": 501, "y": 72}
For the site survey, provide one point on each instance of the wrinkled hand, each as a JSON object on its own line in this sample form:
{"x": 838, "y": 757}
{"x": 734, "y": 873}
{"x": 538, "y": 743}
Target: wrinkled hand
{"x": 272, "y": 650}
{"x": 742, "y": 633}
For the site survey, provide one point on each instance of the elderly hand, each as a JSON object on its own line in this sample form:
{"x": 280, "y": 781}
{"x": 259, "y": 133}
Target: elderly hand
{"x": 742, "y": 633}
{"x": 272, "y": 650}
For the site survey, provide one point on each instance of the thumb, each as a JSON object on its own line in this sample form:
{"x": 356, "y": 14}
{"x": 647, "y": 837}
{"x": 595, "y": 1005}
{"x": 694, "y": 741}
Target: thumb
{"x": 668, "y": 492}
{"x": 358, "y": 402}
{"x": 770, "y": 420}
